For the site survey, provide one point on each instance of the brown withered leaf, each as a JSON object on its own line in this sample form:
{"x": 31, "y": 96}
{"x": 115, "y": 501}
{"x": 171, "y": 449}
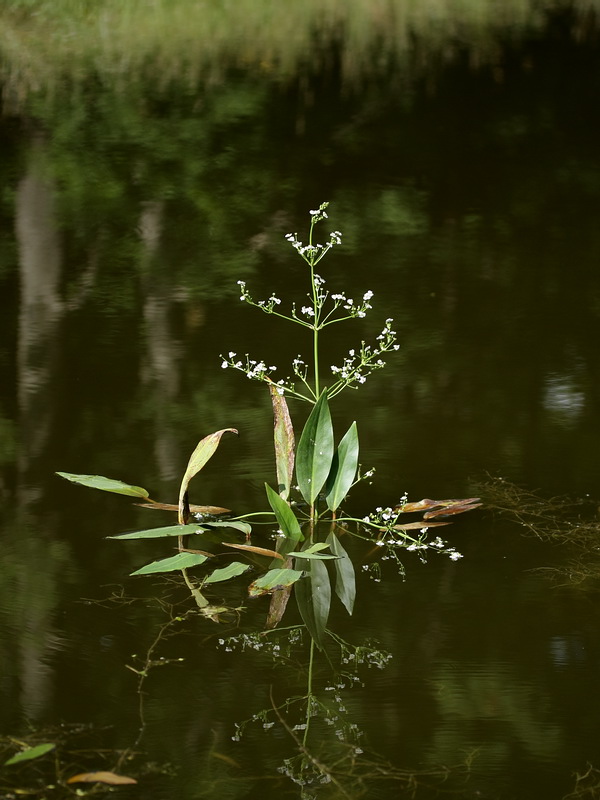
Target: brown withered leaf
{"x": 214, "y": 510}
{"x": 101, "y": 777}
{"x": 408, "y": 526}
{"x": 426, "y": 504}
{"x": 261, "y": 551}
{"x": 421, "y": 505}
{"x": 451, "y": 510}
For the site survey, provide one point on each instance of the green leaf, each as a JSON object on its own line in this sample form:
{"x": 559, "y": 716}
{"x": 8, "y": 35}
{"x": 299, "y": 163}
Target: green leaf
{"x": 178, "y": 561}
{"x": 226, "y": 573}
{"x": 286, "y": 519}
{"x": 157, "y": 533}
{"x": 274, "y": 580}
{"x": 315, "y": 451}
{"x": 30, "y": 753}
{"x": 283, "y": 435}
{"x": 314, "y": 551}
{"x": 343, "y": 469}
{"x": 205, "y": 449}
{"x": 243, "y": 527}
{"x": 105, "y": 484}
{"x": 345, "y": 578}
{"x": 313, "y": 595}
{"x": 315, "y": 556}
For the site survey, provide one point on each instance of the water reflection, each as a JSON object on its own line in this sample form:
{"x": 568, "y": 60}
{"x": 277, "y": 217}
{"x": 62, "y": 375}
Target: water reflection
{"x": 467, "y": 188}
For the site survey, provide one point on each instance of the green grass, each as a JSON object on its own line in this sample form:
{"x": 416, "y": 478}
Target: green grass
{"x": 44, "y": 42}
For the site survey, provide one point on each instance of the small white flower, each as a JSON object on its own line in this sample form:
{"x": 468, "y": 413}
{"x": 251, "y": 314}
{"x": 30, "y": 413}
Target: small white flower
{"x": 308, "y": 311}
{"x": 224, "y": 365}
{"x": 367, "y": 295}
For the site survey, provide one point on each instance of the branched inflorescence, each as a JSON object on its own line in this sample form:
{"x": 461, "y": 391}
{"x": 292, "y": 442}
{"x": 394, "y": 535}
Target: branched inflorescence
{"x": 321, "y": 309}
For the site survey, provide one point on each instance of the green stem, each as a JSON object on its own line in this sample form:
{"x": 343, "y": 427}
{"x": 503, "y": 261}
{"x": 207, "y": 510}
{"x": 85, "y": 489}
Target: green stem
{"x": 309, "y": 691}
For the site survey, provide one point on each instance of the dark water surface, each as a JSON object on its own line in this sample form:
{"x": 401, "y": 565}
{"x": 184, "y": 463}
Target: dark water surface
{"x": 468, "y": 193}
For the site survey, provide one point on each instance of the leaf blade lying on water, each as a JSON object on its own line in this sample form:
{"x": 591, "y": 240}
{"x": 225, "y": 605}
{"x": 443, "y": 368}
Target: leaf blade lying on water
{"x": 158, "y": 533}
{"x": 101, "y": 776}
{"x": 105, "y": 484}
{"x": 261, "y": 551}
{"x": 227, "y": 573}
{"x": 31, "y": 753}
{"x": 273, "y": 580}
{"x": 177, "y": 562}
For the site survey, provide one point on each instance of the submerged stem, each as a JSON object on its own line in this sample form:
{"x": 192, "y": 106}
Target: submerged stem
{"x": 309, "y": 691}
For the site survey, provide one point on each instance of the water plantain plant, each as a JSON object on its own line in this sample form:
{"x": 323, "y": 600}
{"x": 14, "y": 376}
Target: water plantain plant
{"x": 309, "y": 530}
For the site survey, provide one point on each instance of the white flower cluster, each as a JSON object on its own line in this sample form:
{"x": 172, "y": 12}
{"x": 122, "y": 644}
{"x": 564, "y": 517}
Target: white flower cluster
{"x": 358, "y": 365}
{"x": 312, "y": 253}
{"x": 255, "y": 370}
{"x": 353, "y": 309}
{"x": 391, "y": 536}
{"x": 268, "y": 306}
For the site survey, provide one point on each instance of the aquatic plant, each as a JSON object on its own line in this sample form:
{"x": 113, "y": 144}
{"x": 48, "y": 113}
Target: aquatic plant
{"x": 307, "y": 518}
{"x": 310, "y": 527}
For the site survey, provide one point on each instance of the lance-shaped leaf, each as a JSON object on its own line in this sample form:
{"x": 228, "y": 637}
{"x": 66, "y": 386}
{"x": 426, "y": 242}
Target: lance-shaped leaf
{"x": 273, "y": 581}
{"x": 31, "y": 753}
{"x": 243, "y": 527}
{"x": 203, "y": 452}
{"x": 314, "y": 551}
{"x": 345, "y": 578}
{"x": 178, "y": 561}
{"x": 286, "y": 519}
{"x": 157, "y": 533}
{"x": 226, "y": 573}
{"x": 102, "y": 776}
{"x": 313, "y": 595}
{"x": 343, "y": 469}
{"x": 105, "y": 484}
{"x": 283, "y": 435}
{"x": 315, "y": 451}
{"x": 210, "y": 510}
{"x": 261, "y": 551}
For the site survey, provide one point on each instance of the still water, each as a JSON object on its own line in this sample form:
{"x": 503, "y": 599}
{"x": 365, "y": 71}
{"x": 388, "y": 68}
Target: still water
{"x": 466, "y": 183}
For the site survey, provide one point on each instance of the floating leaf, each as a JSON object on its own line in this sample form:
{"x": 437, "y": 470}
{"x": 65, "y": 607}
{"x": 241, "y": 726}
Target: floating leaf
{"x": 211, "y": 510}
{"x": 101, "y": 777}
{"x": 345, "y": 578}
{"x": 179, "y": 561}
{"x": 426, "y": 504}
{"x": 274, "y": 580}
{"x": 283, "y": 435}
{"x": 450, "y": 510}
{"x": 261, "y": 551}
{"x": 30, "y": 753}
{"x": 313, "y": 595}
{"x": 243, "y": 527}
{"x": 411, "y": 526}
{"x": 315, "y": 451}
{"x": 226, "y": 573}
{"x": 157, "y": 533}
{"x": 205, "y": 449}
{"x": 105, "y": 484}
{"x": 343, "y": 469}
{"x": 317, "y": 556}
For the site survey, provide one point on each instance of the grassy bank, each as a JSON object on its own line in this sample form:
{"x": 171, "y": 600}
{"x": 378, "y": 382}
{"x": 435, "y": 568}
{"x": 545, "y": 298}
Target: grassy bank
{"x": 45, "y": 42}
